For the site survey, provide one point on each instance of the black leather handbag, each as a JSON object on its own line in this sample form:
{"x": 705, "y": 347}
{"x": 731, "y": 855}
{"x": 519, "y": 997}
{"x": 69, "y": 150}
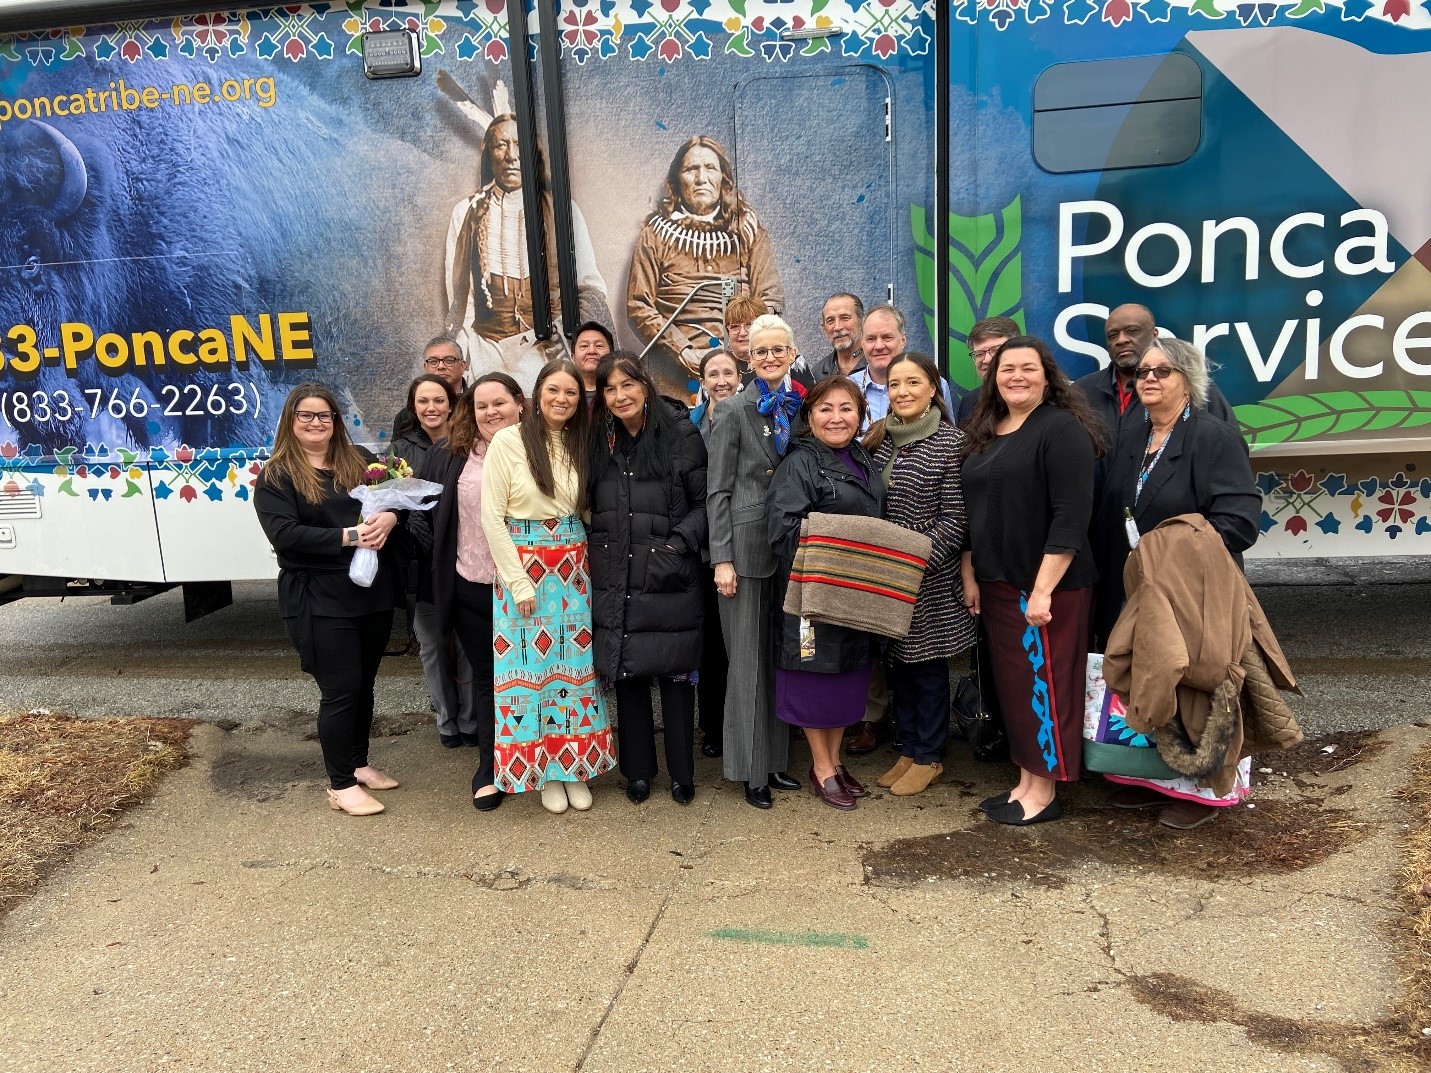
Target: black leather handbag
{"x": 972, "y": 719}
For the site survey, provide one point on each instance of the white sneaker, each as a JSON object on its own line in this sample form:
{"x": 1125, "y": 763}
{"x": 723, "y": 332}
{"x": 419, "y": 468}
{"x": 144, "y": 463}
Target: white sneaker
{"x": 554, "y": 798}
{"x": 579, "y": 794}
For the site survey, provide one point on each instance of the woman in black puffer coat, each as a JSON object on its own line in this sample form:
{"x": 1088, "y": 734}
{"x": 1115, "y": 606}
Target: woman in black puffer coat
{"x": 648, "y": 524}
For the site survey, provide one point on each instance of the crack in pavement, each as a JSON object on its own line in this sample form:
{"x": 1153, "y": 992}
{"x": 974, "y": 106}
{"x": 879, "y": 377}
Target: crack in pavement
{"x": 629, "y": 972}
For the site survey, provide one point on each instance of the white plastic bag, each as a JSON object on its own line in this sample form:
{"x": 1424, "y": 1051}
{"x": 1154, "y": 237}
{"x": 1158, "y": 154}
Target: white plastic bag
{"x": 405, "y": 493}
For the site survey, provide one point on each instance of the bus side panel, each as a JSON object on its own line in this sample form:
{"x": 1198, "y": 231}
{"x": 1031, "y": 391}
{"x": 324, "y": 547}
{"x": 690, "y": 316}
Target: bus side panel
{"x": 197, "y": 214}
{"x": 207, "y": 525}
{"x": 1286, "y": 246}
{"x": 90, "y": 518}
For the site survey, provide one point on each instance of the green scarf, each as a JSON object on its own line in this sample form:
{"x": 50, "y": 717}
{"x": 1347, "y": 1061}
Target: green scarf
{"x": 902, "y": 433}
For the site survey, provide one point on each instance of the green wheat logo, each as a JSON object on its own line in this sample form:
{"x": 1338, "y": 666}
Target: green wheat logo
{"x": 985, "y": 275}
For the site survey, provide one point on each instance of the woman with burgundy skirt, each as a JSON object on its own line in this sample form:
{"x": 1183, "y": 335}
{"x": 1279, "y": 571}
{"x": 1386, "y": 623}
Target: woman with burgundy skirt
{"x": 1028, "y": 569}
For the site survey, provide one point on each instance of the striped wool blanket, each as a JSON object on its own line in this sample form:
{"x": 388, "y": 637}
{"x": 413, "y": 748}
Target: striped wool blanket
{"x": 863, "y": 573}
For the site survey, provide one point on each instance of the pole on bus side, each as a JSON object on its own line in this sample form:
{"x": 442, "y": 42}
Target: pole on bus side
{"x": 549, "y": 48}
{"x": 942, "y": 76}
{"x": 523, "y": 102}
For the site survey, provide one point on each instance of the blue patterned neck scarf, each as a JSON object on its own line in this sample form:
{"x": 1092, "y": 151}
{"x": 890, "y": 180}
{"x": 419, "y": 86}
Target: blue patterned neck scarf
{"x": 780, "y": 406}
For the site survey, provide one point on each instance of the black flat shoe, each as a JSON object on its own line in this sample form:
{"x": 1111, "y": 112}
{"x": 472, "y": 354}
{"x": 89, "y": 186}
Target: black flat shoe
{"x": 637, "y": 790}
{"x": 711, "y": 749}
{"x": 682, "y": 793}
{"x": 989, "y": 804}
{"x": 758, "y": 796}
{"x": 472, "y": 741}
{"x": 488, "y": 802}
{"x": 450, "y": 741}
{"x": 781, "y": 781}
{"x": 1012, "y": 814}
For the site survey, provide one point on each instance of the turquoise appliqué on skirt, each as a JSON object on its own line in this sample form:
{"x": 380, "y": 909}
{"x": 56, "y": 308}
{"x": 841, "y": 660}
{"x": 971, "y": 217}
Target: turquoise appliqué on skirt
{"x": 551, "y": 723}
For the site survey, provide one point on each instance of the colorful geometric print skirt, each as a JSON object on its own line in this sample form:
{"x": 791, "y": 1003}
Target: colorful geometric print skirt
{"x": 1039, "y": 674}
{"x": 551, "y": 724}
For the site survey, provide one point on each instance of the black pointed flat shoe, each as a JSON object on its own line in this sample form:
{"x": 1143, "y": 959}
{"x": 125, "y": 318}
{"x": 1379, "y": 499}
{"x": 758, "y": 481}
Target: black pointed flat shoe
{"x": 781, "y": 781}
{"x": 1012, "y": 814}
{"x": 711, "y": 749}
{"x": 682, "y": 793}
{"x": 487, "y": 802}
{"x": 989, "y": 804}
{"x": 758, "y": 796}
{"x": 637, "y": 790}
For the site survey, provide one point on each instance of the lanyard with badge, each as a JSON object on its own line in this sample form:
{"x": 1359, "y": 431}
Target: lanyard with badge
{"x": 1130, "y": 524}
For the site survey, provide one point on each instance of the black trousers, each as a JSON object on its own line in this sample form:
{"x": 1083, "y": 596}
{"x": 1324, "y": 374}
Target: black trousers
{"x": 921, "y": 707}
{"x": 472, "y": 622}
{"x": 345, "y": 657}
{"x": 715, "y": 667}
{"x": 636, "y": 728}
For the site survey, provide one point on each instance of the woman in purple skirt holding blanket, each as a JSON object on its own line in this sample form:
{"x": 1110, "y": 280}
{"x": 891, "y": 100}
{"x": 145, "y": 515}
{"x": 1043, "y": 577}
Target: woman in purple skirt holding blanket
{"x": 823, "y": 671}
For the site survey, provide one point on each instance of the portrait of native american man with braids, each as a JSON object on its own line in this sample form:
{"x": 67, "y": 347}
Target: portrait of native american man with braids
{"x": 489, "y": 296}
{"x": 701, "y": 232}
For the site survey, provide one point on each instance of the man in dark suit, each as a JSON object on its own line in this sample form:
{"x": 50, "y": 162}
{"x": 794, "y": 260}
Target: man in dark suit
{"x": 1130, "y": 330}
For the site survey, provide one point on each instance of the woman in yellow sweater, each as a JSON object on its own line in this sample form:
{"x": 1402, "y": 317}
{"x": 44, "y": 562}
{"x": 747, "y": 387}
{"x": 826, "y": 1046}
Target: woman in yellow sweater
{"x": 552, "y": 731}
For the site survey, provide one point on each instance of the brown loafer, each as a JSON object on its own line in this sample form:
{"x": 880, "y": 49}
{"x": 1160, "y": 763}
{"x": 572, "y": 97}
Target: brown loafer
{"x": 852, "y": 785}
{"x": 831, "y": 792}
{"x": 1185, "y": 815}
{"x": 864, "y": 740}
{"x": 1136, "y": 797}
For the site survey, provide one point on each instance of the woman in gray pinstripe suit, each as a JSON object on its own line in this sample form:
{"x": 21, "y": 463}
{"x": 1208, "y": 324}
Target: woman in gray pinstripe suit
{"x": 749, "y": 435}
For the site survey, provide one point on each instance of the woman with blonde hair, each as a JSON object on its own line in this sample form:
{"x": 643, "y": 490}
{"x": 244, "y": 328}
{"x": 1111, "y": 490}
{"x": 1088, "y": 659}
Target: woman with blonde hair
{"x": 749, "y": 436}
{"x": 338, "y": 627}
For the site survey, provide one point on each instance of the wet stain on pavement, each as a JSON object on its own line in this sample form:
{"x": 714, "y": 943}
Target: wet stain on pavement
{"x": 1389, "y": 1044}
{"x": 1265, "y": 837}
{"x": 245, "y": 772}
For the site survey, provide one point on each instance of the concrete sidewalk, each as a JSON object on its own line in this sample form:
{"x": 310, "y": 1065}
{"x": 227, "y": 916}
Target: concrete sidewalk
{"x": 236, "y": 923}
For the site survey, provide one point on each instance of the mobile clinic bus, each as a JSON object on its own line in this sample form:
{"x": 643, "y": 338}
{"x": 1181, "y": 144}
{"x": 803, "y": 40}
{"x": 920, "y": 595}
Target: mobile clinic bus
{"x": 201, "y": 207}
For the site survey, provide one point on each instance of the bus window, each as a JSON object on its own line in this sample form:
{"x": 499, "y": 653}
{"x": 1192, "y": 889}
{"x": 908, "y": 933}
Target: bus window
{"x": 1135, "y": 112}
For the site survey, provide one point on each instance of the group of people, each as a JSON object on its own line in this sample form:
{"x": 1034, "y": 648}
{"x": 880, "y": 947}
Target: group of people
{"x": 595, "y": 533}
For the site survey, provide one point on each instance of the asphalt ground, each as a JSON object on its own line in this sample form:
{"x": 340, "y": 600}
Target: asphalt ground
{"x": 236, "y": 923}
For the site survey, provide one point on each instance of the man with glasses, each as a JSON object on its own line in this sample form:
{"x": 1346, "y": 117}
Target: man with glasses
{"x": 985, "y": 338}
{"x": 441, "y": 357}
{"x": 1130, "y": 330}
{"x": 842, "y": 318}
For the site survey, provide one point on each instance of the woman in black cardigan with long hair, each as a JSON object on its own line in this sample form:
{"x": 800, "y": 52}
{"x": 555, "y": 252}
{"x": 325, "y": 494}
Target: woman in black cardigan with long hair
{"x": 1028, "y": 486}
{"x": 648, "y": 525}
{"x": 459, "y": 585}
{"x": 339, "y": 628}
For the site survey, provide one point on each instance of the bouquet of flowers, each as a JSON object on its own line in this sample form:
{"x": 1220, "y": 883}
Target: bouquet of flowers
{"x": 388, "y": 484}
